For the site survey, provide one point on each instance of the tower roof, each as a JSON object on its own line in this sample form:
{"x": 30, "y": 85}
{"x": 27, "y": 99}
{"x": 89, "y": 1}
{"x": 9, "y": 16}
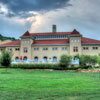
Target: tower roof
{"x": 75, "y": 32}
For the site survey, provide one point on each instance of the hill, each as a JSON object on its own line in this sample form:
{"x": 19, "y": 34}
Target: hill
{"x": 3, "y": 38}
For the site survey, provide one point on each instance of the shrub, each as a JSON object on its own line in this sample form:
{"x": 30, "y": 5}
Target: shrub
{"x": 84, "y": 67}
{"x": 5, "y": 59}
{"x": 94, "y": 60}
{"x": 99, "y": 58}
{"x": 65, "y": 60}
{"x": 37, "y": 66}
{"x": 88, "y": 60}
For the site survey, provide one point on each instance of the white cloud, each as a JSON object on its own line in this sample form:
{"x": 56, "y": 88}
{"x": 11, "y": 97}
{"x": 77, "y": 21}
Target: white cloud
{"x": 3, "y": 9}
{"x": 83, "y": 15}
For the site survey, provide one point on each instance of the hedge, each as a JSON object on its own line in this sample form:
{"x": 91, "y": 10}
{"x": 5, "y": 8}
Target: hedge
{"x": 45, "y": 66}
{"x": 37, "y": 66}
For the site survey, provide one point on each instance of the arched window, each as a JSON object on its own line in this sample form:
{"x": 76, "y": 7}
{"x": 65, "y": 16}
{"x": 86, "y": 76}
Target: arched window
{"x": 36, "y": 59}
{"x": 54, "y": 59}
{"x": 17, "y": 58}
{"x": 24, "y": 58}
{"x": 45, "y": 59}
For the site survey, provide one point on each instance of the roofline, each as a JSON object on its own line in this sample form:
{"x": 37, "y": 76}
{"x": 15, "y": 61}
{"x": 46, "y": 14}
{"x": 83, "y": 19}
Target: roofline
{"x": 91, "y": 44}
{"x": 10, "y": 46}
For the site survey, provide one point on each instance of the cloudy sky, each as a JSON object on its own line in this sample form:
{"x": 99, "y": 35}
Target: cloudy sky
{"x": 18, "y": 16}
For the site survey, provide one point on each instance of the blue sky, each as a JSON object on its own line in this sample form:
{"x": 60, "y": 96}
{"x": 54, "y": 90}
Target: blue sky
{"x": 18, "y": 16}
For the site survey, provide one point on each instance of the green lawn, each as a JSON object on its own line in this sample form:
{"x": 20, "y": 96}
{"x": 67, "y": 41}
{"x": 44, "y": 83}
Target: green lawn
{"x": 48, "y": 85}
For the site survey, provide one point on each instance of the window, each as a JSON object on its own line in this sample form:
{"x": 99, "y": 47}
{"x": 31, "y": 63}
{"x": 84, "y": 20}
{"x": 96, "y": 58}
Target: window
{"x": 54, "y": 48}
{"x": 72, "y": 40}
{"x": 85, "y": 48}
{"x": 75, "y": 40}
{"x": 24, "y": 58}
{"x": 36, "y": 59}
{"x": 75, "y": 49}
{"x": 78, "y": 40}
{"x": 17, "y": 49}
{"x": 17, "y": 58}
{"x": 45, "y": 59}
{"x": 45, "y": 48}
{"x": 64, "y": 48}
{"x": 9, "y": 49}
{"x": 95, "y": 48}
{"x": 54, "y": 59}
{"x": 25, "y": 50}
{"x": 36, "y": 49}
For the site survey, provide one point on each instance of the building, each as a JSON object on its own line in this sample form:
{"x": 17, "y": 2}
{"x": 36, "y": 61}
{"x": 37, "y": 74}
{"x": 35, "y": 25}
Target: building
{"x": 6, "y": 41}
{"x": 46, "y": 47}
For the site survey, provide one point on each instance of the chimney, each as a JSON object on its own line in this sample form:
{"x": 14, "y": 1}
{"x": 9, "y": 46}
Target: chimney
{"x": 54, "y": 28}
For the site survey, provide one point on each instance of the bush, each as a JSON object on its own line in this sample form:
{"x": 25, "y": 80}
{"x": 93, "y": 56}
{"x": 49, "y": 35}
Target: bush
{"x": 99, "y": 58}
{"x": 84, "y": 67}
{"x": 88, "y": 60}
{"x": 45, "y": 66}
{"x": 5, "y": 59}
{"x": 37, "y": 66}
{"x": 65, "y": 60}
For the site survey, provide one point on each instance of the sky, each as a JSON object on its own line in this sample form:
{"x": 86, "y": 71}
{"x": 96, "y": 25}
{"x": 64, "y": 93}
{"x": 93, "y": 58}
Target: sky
{"x": 18, "y": 16}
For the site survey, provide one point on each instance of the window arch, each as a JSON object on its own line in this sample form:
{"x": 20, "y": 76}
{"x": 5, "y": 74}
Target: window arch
{"x": 45, "y": 59}
{"x": 25, "y": 58}
{"x": 17, "y": 58}
{"x": 36, "y": 59}
{"x": 54, "y": 59}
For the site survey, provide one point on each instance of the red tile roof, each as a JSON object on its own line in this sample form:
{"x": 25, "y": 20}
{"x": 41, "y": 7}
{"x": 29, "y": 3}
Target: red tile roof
{"x": 74, "y": 32}
{"x": 51, "y": 42}
{"x": 51, "y": 33}
{"x": 89, "y": 41}
{"x": 13, "y": 43}
{"x": 26, "y": 34}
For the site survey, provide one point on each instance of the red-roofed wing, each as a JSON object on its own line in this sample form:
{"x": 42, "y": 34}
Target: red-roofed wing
{"x": 13, "y": 43}
{"x": 89, "y": 41}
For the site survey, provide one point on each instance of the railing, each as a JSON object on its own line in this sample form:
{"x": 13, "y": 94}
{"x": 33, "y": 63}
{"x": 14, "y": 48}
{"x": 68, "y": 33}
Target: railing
{"x": 74, "y": 62}
{"x": 32, "y": 62}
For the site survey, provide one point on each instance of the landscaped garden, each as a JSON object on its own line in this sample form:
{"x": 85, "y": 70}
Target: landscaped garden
{"x": 19, "y": 84}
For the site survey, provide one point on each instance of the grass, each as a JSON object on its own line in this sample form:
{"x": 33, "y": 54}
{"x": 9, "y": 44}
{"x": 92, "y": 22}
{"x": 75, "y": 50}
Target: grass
{"x": 48, "y": 85}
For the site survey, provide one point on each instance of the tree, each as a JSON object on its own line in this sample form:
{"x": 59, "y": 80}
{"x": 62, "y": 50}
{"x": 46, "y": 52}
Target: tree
{"x": 5, "y": 59}
{"x": 65, "y": 60}
{"x": 94, "y": 60}
{"x": 88, "y": 60}
{"x": 99, "y": 58}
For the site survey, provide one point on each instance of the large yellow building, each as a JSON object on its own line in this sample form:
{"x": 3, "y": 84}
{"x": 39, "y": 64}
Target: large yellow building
{"x": 48, "y": 47}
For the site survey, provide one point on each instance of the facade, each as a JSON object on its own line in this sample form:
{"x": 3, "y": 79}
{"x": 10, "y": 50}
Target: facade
{"x": 48, "y": 47}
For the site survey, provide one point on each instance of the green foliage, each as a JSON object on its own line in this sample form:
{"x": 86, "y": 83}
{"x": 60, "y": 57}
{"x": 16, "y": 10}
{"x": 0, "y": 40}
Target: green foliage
{"x": 46, "y": 66}
{"x": 3, "y": 38}
{"x": 77, "y": 56}
{"x": 37, "y": 66}
{"x": 65, "y": 60}
{"x": 5, "y": 59}
{"x": 88, "y": 60}
{"x": 99, "y": 58}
